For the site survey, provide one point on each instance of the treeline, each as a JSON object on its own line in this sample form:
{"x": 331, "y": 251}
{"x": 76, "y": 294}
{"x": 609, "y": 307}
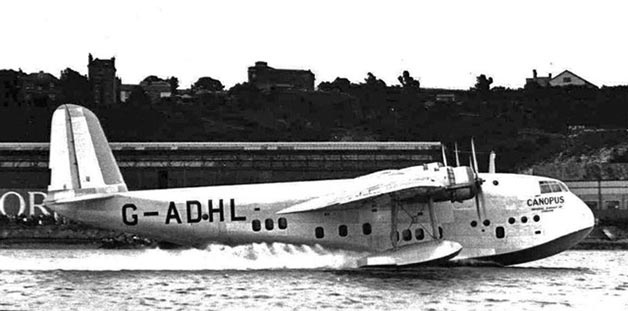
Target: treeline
{"x": 522, "y": 125}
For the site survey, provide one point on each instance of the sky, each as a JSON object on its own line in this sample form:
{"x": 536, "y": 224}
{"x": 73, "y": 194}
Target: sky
{"x": 444, "y": 44}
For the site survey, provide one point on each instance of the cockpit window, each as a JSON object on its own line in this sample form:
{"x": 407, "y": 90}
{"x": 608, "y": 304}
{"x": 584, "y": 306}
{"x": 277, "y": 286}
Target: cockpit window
{"x": 549, "y": 186}
{"x": 555, "y": 187}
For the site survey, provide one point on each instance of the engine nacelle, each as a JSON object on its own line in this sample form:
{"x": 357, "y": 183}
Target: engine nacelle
{"x": 461, "y": 185}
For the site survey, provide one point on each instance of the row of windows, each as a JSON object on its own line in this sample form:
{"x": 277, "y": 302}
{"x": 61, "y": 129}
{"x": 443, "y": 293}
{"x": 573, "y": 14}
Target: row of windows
{"x": 549, "y": 186}
{"x": 269, "y": 224}
{"x": 511, "y": 220}
{"x": 524, "y": 219}
{"x": 343, "y": 231}
{"x": 500, "y": 232}
{"x": 486, "y": 222}
{"x": 419, "y": 234}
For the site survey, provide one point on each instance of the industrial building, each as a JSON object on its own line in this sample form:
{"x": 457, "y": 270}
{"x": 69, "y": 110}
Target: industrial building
{"x": 24, "y": 173}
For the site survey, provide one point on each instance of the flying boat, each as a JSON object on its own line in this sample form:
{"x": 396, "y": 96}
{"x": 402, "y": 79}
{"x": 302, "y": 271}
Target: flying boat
{"x": 426, "y": 214}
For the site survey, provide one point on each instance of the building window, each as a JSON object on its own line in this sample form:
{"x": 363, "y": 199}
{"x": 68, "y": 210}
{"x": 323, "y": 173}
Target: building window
{"x": 500, "y": 232}
{"x": 268, "y": 223}
{"x": 162, "y": 179}
{"x": 612, "y": 204}
{"x": 419, "y": 234}
{"x": 257, "y": 225}
{"x": 366, "y": 229}
{"x": 319, "y": 232}
{"x": 342, "y": 230}
{"x": 283, "y": 223}
{"x": 407, "y": 235}
{"x": 567, "y": 80}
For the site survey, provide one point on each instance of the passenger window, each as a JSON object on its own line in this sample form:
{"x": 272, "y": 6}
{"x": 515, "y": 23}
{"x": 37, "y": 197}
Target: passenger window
{"x": 612, "y": 204}
{"x": 257, "y": 225}
{"x": 407, "y": 235}
{"x": 366, "y": 229}
{"x": 419, "y": 234}
{"x": 440, "y": 232}
{"x": 319, "y": 232}
{"x": 283, "y": 223}
{"x": 269, "y": 224}
{"x": 342, "y": 230}
{"x": 500, "y": 232}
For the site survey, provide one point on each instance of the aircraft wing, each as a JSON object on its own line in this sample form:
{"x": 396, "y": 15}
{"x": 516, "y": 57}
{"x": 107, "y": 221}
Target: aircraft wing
{"x": 413, "y": 182}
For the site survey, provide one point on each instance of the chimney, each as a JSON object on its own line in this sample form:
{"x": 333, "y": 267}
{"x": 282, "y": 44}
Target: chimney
{"x": 534, "y": 73}
{"x": 90, "y": 58}
{"x": 550, "y": 76}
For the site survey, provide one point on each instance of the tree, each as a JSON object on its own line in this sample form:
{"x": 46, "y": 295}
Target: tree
{"x": 174, "y": 84}
{"x": 207, "y": 84}
{"x": 483, "y": 84}
{"x": 371, "y": 80}
{"x": 339, "y": 84}
{"x": 75, "y": 88}
{"x": 150, "y": 79}
{"x": 408, "y": 81}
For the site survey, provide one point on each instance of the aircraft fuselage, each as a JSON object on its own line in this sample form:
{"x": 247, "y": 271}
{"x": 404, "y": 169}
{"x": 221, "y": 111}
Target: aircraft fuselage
{"x": 513, "y": 217}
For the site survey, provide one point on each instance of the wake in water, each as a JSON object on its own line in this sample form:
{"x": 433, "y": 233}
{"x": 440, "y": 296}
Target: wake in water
{"x": 258, "y": 256}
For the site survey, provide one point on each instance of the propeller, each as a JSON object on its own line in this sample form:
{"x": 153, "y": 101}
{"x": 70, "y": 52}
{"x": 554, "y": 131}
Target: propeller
{"x": 475, "y": 159}
{"x": 456, "y": 152}
{"x": 442, "y": 149}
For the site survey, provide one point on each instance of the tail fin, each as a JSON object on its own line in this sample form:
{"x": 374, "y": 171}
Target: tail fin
{"x": 81, "y": 162}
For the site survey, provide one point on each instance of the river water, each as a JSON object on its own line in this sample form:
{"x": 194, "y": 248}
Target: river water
{"x": 278, "y": 276}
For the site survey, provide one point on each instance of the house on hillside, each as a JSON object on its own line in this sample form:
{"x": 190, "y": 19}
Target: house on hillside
{"x": 540, "y": 81}
{"x": 565, "y": 78}
{"x": 568, "y": 78}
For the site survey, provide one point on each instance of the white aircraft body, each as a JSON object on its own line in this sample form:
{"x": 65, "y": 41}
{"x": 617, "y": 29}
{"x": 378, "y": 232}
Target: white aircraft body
{"x": 426, "y": 214}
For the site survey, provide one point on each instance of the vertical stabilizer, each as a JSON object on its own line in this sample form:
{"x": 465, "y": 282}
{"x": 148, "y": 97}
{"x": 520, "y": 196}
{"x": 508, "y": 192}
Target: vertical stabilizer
{"x": 81, "y": 161}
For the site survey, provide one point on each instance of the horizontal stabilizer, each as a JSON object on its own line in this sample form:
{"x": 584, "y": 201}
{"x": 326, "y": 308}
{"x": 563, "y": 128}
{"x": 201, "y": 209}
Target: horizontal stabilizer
{"x": 430, "y": 252}
{"x": 88, "y": 197}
